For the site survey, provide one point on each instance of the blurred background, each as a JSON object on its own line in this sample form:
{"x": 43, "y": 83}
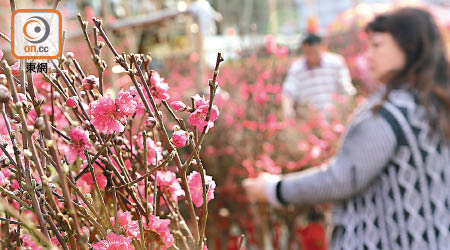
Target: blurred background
{"x": 259, "y": 40}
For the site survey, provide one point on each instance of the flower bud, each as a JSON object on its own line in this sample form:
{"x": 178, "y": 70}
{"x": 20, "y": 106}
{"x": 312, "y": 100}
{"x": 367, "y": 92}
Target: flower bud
{"x": 148, "y": 58}
{"x": 27, "y": 153}
{"x": 39, "y": 101}
{"x": 151, "y": 122}
{"x": 16, "y": 118}
{"x": 39, "y": 123}
{"x": 90, "y": 82}
{"x": 179, "y": 138}
{"x": 2, "y": 79}
{"x": 4, "y": 94}
{"x": 49, "y": 143}
{"x": 72, "y": 102}
{"x": 30, "y": 129}
{"x": 178, "y": 106}
{"x": 82, "y": 94}
{"x": 118, "y": 141}
{"x": 70, "y": 55}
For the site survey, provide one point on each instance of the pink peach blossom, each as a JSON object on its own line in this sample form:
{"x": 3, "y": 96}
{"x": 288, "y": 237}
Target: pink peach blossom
{"x": 124, "y": 220}
{"x": 160, "y": 226}
{"x": 196, "y": 189}
{"x": 15, "y": 69}
{"x": 282, "y": 51}
{"x": 114, "y": 242}
{"x": 125, "y": 103}
{"x": 159, "y": 87}
{"x": 179, "y": 138}
{"x": 28, "y": 243}
{"x": 154, "y": 150}
{"x": 106, "y": 118}
{"x": 170, "y": 184}
{"x": 79, "y": 141}
{"x": 166, "y": 178}
{"x": 198, "y": 117}
{"x": 86, "y": 182}
{"x": 199, "y": 101}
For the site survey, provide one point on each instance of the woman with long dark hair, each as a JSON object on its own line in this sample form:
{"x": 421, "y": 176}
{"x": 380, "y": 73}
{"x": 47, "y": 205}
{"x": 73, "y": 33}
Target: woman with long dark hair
{"x": 390, "y": 180}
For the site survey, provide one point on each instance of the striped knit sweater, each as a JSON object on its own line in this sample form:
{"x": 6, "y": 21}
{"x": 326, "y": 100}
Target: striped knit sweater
{"x": 390, "y": 181}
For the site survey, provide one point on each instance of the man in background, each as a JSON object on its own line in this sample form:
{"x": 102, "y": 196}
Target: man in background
{"x": 315, "y": 78}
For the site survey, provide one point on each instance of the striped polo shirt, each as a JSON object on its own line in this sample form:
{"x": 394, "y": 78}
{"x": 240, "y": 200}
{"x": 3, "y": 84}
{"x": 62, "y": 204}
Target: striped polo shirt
{"x": 316, "y": 86}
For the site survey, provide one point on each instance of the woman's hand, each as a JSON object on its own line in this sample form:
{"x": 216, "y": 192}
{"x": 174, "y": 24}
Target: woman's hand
{"x": 256, "y": 187}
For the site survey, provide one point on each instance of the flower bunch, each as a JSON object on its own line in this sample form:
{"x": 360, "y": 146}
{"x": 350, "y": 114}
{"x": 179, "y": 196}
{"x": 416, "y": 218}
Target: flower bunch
{"x": 86, "y": 167}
